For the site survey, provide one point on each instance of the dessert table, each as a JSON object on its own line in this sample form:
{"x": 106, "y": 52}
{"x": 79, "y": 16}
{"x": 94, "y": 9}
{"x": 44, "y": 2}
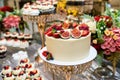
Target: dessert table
{"x": 32, "y": 53}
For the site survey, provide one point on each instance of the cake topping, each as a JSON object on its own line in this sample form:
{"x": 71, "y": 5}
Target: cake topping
{"x": 16, "y": 68}
{"x": 31, "y": 73}
{"x": 39, "y": 78}
{"x": 6, "y": 67}
{"x": 21, "y": 73}
{"x": 8, "y": 74}
{"x": 24, "y": 60}
{"x": 28, "y": 66}
{"x": 48, "y": 55}
{"x": 75, "y": 33}
{"x": 67, "y": 30}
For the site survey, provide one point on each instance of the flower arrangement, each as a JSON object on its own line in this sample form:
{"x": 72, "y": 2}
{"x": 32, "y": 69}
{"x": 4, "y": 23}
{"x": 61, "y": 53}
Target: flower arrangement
{"x": 11, "y": 21}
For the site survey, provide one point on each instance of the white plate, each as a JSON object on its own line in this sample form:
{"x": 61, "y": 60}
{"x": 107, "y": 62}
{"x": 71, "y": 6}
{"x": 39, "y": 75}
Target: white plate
{"x": 92, "y": 55}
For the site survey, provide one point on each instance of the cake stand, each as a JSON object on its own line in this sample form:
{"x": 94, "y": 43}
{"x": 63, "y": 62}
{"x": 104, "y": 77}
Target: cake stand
{"x": 68, "y": 68}
{"x": 41, "y": 22}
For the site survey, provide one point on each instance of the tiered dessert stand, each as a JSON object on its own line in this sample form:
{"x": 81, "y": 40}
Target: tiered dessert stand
{"x": 68, "y": 68}
{"x": 41, "y": 21}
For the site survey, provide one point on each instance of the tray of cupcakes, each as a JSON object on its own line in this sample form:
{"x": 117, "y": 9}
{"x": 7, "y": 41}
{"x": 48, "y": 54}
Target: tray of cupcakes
{"x": 18, "y": 40}
{"x": 23, "y": 71}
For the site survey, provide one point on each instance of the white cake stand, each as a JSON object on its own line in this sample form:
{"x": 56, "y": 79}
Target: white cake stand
{"x": 68, "y": 68}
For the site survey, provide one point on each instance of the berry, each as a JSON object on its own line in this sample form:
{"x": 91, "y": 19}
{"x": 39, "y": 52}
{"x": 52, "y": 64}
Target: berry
{"x": 45, "y": 53}
{"x": 83, "y": 27}
{"x": 50, "y": 33}
{"x": 56, "y": 35}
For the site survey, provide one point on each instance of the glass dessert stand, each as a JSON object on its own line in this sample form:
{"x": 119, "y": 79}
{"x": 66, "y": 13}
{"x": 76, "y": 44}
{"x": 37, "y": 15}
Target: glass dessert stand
{"x": 67, "y": 69}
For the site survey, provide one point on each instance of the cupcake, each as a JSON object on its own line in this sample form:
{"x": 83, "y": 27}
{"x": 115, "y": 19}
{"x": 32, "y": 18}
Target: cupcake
{"x": 6, "y": 69}
{"x": 16, "y": 43}
{"x": 7, "y": 35}
{"x": 16, "y": 70}
{"x": 28, "y": 37}
{"x": 9, "y": 42}
{"x": 14, "y": 35}
{"x": 29, "y": 67}
{"x": 34, "y": 73}
{"x": 24, "y": 44}
{"x": 21, "y": 76}
{"x": 23, "y": 62}
{"x": 2, "y": 41}
{"x": 21, "y": 36}
{"x": 8, "y": 76}
{"x": 3, "y": 50}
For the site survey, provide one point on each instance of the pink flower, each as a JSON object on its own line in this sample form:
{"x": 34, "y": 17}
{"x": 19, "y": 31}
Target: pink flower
{"x": 11, "y": 21}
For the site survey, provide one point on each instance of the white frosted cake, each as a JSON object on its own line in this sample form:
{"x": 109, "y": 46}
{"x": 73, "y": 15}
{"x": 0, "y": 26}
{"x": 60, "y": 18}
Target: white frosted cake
{"x": 69, "y": 42}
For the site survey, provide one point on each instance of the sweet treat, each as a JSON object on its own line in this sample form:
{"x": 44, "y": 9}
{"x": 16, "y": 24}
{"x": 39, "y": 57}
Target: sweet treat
{"x": 28, "y": 37}
{"x": 39, "y": 78}
{"x": 23, "y": 62}
{"x": 21, "y": 36}
{"x": 3, "y": 50}
{"x": 14, "y": 35}
{"x": 2, "y": 41}
{"x": 24, "y": 44}
{"x": 16, "y": 70}
{"x": 9, "y": 42}
{"x": 21, "y": 76}
{"x": 7, "y": 35}
{"x": 68, "y": 41}
{"x": 29, "y": 67}
{"x": 34, "y": 74}
{"x": 8, "y": 76}
{"x": 16, "y": 43}
{"x": 6, "y": 69}
{"x": 38, "y": 7}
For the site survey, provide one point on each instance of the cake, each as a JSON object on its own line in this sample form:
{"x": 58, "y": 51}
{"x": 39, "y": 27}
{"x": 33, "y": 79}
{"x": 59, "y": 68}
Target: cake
{"x": 16, "y": 43}
{"x": 68, "y": 42}
{"x": 9, "y": 42}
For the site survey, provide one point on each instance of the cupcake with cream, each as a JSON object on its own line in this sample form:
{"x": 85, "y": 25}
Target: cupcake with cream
{"x": 8, "y": 76}
{"x": 23, "y": 62}
{"x": 33, "y": 74}
{"x": 16, "y": 43}
{"x": 6, "y": 69}
{"x": 3, "y": 50}
{"x": 21, "y": 76}
{"x": 7, "y": 35}
{"x": 9, "y": 42}
{"x": 16, "y": 70}
{"x": 2, "y": 41}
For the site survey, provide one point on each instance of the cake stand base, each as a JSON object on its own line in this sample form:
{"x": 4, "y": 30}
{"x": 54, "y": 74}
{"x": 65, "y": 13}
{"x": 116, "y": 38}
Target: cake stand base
{"x": 68, "y": 68}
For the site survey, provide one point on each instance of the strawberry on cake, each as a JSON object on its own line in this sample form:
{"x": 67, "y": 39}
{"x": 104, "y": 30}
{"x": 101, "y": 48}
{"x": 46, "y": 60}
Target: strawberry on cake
{"x": 68, "y": 41}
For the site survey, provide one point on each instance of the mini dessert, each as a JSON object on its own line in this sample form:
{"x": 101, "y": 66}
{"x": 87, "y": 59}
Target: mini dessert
{"x": 38, "y": 78}
{"x": 16, "y": 70}
{"x": 16, "y": 43}
{"x": 29, "y": 67}
{"x": 8, "y": 76}
{"x": 7, "y": 35}
{"x": 6, "y": 69}
{"x": 21, "y": 36}
{"x": 21, "y": 76}
{"x": 14, "y": 35}
{"x": 26, "y": 9}
{"x": 9, "y": 42}
{"x": 34, "y": 73}
{"x": 28, "y": 37}
{"x": 2, "y": 41}
{"x": 3, "y": 50}
{"x": 23, "y": 62}
{"x": 24, "y": 44}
